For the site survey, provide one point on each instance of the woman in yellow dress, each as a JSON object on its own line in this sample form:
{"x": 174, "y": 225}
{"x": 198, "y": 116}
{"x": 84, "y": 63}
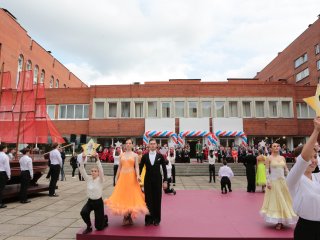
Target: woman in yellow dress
{"x": 277, "y": 204}
{"x": 127, "y": 199}
{"x": 261, "y": 178}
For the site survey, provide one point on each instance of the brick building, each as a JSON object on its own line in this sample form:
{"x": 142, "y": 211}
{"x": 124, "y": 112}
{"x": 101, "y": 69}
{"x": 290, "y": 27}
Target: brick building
{"x": 18, "y": 51}
{"x": 298, "y": 63}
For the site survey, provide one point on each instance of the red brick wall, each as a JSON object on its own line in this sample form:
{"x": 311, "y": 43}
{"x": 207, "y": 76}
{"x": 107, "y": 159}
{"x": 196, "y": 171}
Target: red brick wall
{"x": 15, "y": 40}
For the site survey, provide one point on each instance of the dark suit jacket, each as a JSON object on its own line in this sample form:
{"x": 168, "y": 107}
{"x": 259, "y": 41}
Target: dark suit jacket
{"x": 153, "y": 172}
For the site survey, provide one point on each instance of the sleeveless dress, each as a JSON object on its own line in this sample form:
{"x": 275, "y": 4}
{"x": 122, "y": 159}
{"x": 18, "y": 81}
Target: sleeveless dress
{"x": 127, "y": 196}
{"x": 261, "y": 178}
{"x": 277, "y": 203}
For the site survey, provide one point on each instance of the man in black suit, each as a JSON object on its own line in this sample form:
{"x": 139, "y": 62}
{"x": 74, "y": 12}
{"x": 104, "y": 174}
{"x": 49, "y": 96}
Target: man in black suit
{"x": 153, "y": 182}
{"x": 250, "y": 162}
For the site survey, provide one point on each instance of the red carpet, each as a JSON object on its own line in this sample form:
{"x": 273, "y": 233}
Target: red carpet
{"x": 199, "y": 214}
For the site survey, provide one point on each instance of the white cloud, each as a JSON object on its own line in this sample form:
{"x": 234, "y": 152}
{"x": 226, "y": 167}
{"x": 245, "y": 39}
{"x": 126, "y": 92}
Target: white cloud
{"x": 125, "y": 41}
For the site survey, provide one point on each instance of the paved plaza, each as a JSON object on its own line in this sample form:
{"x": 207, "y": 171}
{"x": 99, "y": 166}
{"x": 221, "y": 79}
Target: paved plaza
{"x": 59, "y": 218}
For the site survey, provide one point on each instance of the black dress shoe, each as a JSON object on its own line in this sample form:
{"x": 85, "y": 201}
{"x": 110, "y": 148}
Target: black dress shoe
{"x": 174, "y": 192}
{"x": 156, "y": 224}
{"x": 53, "y": 195}
{"x": 147, "y": 223}
{"x": 25, "y": 201}
{"x": 3, "y": 206}
{"x": 87, "y": 230}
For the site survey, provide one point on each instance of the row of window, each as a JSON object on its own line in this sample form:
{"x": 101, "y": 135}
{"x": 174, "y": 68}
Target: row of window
{"x": 303, "y": 74}
{"x": 35, "y": 73}
{"x": 246, "y": 108}
{"x": 69, "y": 111}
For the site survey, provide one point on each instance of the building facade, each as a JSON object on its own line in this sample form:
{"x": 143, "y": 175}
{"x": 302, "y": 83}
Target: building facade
{"x": 299, "y": 63}
{"x": 19, "y": 52}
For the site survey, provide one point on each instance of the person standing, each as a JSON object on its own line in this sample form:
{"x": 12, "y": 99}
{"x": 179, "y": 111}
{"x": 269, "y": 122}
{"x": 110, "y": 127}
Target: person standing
{"x": 199, "y": 151}
{"x": 172, "y": 158}
{"x": 5, "y": 171}
{"x": 11, "y": 154}
{"x": 26, "y": 174}
{"x": 169, "y": 175}
{"x": 55, "y": 166}
{"x": 116, "y": 159}
{"x": 81, "y": 158}
{"x": 225, "y": 173}
{"x": 153, "y": 182}
{"x": 73, "y": 163}
{"x": 94, "y": 193}
{"x": 249, "y": 162}
{"x": 63, "y": 157}
{"x": 212, "y": 168}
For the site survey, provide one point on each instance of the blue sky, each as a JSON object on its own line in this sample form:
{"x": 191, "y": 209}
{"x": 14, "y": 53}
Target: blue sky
{"x": 126, "y": 41}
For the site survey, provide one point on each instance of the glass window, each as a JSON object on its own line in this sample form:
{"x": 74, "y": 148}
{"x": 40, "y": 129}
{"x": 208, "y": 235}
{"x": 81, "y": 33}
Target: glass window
{"x": 99, "y": 109}
{"x": 193, "y": 109}
{"x": 299, "y": 61}
{"x": 220, "y": 108}
{"x": 152, "y": 109}
{"x": 303, "y": 110}
{"x": 317, "y": 48}
{"x": 85, "y": 111}
{"x": 35, "y": 74}
{"x": 138, "y": 108}
{"x": 233, "y": 109}
{"x": 113, "y": 109}
{"x": 70, "y": 111}
{"x": 285, "y": 109}
{"x": 125, "y": 109}
{"x": 246, "y": 109}
{"x": 42, "y": 76}
{"x": 260, "y": 109}
{"x": 57, "y": 83}
{"x": 312, "y": 113}
{"x": 51, "y": 111}
{"x": 273, "y": 108}
{"x": 206, "y": 109}
{"x": 20, "y": 64}
{"x": 318, "y": 65}
{"x": 166, "y": 109}
{"x": 29, "y": 65}
{"x": 62, "y": 111}
{"x": 51, "y": 82}
{"x": 78, "y": 111}
{"x": 179, "y": 109}
{"x": 303, "y": 74}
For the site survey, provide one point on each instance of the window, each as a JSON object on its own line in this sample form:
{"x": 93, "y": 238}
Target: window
{"x": 246, "y": 109}
{"x": 317, "y": 48}
{"x": 20, "y": 64}
{"x": 51, "y": 82}
{"x": 99, "y": 109}
{"x": 260, "y": 109}
{"x": 113, "y": 109}
{"x": 302, "y": 110}
{"x": 138, "y": 109}
{"x": 285, "y": 105}
{"x": 42, "y": 76}
{"x": 35, "y": 74}
{"x": 29, "y": 65}
{"x": 220, "y": 108}
{"x": 179, "y": 109}
{"x": 206, "y": 109}
{"x": 152, "y": 109}
{"x": 165, "y": 109}
{"x": 193, "y": 109}
{"x": 299, "y": 61}
{"x": 74, "y": 111}
{"x": 57, "y": 83}
{"x": 233, "y": 109}
{"x": 303, "y": 74}
{"x": 318, "y": 65}
{"x": 51, "y": 111}
{"x": 125, "y": 109}
{"x": 273, "y": 108}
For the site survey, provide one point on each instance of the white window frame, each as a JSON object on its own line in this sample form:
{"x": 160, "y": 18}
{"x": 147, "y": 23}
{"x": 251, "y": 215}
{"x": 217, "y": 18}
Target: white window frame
{"x": 242, "y": 109}
{"x": 134, "y": 108}
{"x": 300, "y": 60}
{"x": 302, "y": 75}
{"x": 54, "y": 111}
{"x": 99, "y": 100}
{"x": 188, "y": 106}
{"x": 170, "y": 108}
{"x": 268, "y": 107}
{"x": 175, "y": 100}
{"x": 74, "y": 111}
{"x": 202, "y": 100}
{"x": 290, "y": 107}
{"x": 228, "y": 106}
{"x": 158, "y": 114}
{"x": 264, "y": 108}
{"x": 224, "y": 107}
{"x": 116, "y": 101}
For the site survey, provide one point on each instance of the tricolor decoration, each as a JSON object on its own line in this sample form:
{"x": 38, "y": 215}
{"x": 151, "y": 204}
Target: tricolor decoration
{"x": 212, "y": 140}
{"x": 153, "y": 134}
{"x": 184, "y": 134}
{"x": 240, "y": 134}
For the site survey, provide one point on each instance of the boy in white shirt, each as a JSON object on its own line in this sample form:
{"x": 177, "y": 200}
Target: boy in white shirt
{"x": 225, "y": 173}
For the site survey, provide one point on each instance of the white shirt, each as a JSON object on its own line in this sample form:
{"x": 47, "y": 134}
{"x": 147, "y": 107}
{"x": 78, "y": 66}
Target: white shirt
{"x": 169, "y": 170}
{"x": 4, "y": 164}
{"x": 11, "y": 157}
{"x": 212, "y": 160}
{"x": 172, "y": 159}
{"x": 79, "y": 159}
{"x": 318, "y": 157}
{"x": 304, "y": 191}
{"x": 26, "y": 164}
{"x": 225, "y": 171}
{"x": 152, "y": 156}
{"x": 94, "y": 186}
{"x": 116, "y": 159}
{"x": 55, "y": 157}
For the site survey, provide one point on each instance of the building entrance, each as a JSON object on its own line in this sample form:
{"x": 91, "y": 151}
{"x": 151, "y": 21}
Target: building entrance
{"x": 192, "y": 143}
